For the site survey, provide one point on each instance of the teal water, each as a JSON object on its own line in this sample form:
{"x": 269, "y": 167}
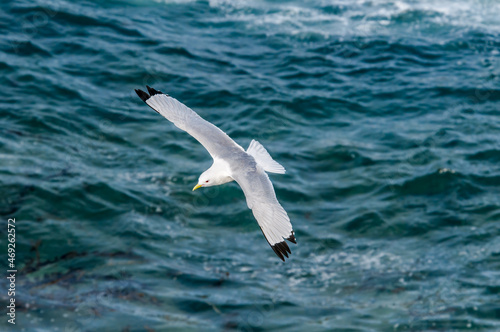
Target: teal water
{"x": 386, "y": 115}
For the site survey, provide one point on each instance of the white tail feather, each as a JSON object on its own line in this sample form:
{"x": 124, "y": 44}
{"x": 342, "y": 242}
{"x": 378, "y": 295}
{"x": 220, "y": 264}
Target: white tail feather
{"x": 262, "y": 157}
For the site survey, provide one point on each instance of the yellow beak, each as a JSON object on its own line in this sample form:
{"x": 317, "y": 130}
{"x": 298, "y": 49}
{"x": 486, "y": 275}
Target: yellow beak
{"x": 196, "y": 187}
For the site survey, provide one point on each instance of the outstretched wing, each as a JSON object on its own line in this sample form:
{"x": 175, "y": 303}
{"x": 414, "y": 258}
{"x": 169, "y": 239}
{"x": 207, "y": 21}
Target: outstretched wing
{"x": 211, "y": 137}
{"x": 270, "y": 215}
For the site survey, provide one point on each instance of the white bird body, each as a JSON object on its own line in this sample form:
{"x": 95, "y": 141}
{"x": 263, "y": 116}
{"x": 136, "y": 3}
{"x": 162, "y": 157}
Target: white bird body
{"x": 232, "y": 162}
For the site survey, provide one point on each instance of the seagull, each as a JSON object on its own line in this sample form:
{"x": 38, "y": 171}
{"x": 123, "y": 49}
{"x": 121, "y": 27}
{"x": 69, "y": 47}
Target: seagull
{"x": 232, "y": 163}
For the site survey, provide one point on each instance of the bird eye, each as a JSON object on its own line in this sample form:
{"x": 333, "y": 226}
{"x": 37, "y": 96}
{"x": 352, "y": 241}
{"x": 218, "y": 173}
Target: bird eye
{"x": 206, "y": 181}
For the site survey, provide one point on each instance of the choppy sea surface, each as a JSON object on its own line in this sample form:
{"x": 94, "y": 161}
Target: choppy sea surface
{"x": 386, "y": 115}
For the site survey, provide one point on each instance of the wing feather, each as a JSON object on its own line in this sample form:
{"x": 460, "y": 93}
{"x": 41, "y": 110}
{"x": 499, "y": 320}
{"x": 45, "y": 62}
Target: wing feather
{"x": 272, "y": 218}
{"x": 210, "y": 136}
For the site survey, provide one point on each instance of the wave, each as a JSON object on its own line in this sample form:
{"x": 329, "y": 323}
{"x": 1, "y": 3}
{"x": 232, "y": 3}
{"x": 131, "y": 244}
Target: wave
{"x": 360, "y": 18}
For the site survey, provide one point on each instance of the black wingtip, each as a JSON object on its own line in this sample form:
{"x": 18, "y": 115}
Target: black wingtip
{"x": 153, "y": 92}
{"x": 281, "y": 249}
{"x": 143, "y": 95}
{"x": 291, "y": 238}
{"x": 286, "y": 248}
{"x": 278, "y": 253}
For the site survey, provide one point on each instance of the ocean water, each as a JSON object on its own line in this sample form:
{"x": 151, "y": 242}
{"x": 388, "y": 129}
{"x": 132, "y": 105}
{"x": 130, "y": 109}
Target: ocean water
{"x": 386, "y": 115}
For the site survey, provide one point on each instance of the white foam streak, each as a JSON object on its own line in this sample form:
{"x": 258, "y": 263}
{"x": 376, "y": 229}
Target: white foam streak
{"x": 359, "y": 18}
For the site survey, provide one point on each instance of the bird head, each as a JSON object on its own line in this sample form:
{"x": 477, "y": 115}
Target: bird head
{"x": 206, "y": 179}
{"x": 214, "y": 176}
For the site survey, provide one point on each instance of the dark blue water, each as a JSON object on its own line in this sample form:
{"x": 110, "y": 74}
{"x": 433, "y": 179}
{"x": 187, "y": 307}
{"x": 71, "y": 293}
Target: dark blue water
{"x": 386, "y": 115}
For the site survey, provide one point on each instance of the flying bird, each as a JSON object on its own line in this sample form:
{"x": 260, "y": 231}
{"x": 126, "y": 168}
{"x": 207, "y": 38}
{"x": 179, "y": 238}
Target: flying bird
{"x": 232, "y": 163}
